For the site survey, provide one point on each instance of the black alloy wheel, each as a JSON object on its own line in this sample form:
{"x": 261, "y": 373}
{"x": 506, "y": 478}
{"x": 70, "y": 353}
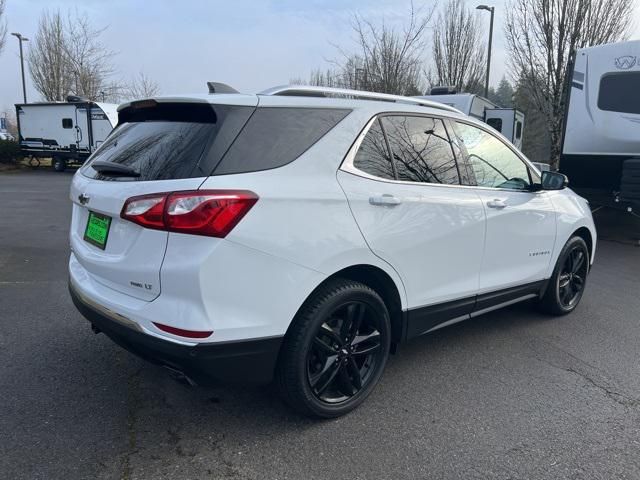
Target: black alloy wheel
{"x": 566, "y": 286}
{"x": 573, "y": 275}
{"x": 344, "y": 354}
{"x": 335, "y": 350}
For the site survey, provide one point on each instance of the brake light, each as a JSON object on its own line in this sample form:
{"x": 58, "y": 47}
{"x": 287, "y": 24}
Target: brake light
{"x": 213, "y": 213}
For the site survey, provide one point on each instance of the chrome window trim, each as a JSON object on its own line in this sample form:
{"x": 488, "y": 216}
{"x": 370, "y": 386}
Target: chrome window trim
{"x": 348, "y": 166}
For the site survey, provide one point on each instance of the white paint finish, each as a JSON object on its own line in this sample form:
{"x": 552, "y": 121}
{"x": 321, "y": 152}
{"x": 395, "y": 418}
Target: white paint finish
{"x": 45, "y": 121}
{"x": 111, "y": 111}
{"x": 431, "y": 243}
{"x": 211, "y": 284}
{"x": 236, "y": 291}
{"x": 133, "y": 253}
{"x": 589, "y": 130}
{"x": 302, "y": 215}
{"x": 433, "y": 238}
{"x": 573, "y": 212}
{"x": 516, "y": 235}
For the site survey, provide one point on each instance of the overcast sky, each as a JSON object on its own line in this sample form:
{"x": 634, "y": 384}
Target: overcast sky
{"x": 249, "y": 44}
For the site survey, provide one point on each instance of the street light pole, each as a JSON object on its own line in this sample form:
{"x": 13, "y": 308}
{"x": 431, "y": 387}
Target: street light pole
{"x": 486, "y": 82}
{"x": 24, "y": 86}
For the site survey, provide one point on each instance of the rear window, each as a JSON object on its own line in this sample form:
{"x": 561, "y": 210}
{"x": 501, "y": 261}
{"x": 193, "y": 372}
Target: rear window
{"x": 619, "y": 92}
{"x": 276, "y": 136}
{"x": 170, "y": 141}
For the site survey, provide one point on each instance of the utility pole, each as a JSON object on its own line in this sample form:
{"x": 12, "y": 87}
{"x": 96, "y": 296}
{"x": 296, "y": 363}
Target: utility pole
{"x": 486, "y": 82}
{"x": 24, "y": 86}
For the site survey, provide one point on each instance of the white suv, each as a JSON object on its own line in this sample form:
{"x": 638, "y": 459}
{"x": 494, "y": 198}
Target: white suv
{"x": 304, "y": 232}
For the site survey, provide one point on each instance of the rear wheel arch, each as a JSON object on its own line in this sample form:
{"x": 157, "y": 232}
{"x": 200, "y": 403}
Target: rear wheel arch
{"x": 379, "y": 281}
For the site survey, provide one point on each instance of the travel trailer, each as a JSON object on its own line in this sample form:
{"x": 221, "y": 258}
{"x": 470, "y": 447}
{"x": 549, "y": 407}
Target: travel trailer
{"x": 508, "y": 121}
{"x": 601, "y": 142}
{"x": 67, "y": 132}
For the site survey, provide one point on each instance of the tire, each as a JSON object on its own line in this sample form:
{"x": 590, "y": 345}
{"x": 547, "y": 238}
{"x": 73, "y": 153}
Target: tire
{"x": 566, "y": 285}
{"x": 59, "y": 164}
{"x": 319, "y": 374}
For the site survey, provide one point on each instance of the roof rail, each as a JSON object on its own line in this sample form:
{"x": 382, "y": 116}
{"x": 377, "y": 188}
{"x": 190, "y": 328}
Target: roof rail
{"x": 310, "y": 91}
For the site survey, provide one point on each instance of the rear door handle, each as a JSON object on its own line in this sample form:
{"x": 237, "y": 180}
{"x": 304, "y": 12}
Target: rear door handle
{"x": 384, "y": 200}
{"x": 496, "y": 203}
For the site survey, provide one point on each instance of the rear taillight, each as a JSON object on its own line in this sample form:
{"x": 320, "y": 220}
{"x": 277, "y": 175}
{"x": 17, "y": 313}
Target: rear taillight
{"x": 213, "y": 213}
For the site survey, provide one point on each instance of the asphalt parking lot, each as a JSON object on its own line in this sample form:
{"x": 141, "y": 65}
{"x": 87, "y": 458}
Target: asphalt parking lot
{"x": 512, "y": 394}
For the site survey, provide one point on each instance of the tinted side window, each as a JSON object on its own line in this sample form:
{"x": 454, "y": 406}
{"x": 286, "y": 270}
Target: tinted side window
{"x": 275, "y": 136}
{"x": 421, "y": 150}
{"x": 67, "y": 123}
{"x": 493, "y": 164}
{"x": 373, "y": 156}
{"x": 619, "y": 92}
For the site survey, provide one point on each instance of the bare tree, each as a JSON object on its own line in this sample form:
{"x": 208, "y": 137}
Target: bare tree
{"x": 3, "y": 25}
{"x": 47, "y": 58}
{"x": 386, "y": 59}
{"x": 88, "y": 60}
{"x": 142, "y": 87}
{"x": 542, "y": 34}
{"x": 458, "y": 49}
{"x": 67, "y": 56}
{"x": 390, "y": 58}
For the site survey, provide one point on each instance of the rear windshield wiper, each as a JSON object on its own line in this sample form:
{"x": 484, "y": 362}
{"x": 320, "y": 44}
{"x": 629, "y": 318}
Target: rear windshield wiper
{"x": 115, "y": 169}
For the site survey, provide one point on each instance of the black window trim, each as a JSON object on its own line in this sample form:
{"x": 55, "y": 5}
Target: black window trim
{"x": 347, "y": 162}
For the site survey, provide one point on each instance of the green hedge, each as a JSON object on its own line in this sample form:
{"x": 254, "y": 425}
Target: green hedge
{"x": 9, "y": 151}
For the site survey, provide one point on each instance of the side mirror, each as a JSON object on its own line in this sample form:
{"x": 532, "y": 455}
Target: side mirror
{"x": 554, "y": 181}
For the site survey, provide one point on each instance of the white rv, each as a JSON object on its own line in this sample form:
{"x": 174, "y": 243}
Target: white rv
{"x": 68, "y": 132}
{"x": 508, "y": 121}
{"x": 602, "y": 123}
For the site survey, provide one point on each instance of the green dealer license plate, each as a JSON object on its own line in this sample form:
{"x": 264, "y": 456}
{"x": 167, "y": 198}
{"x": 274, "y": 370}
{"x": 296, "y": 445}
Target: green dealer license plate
{"x": 97, "y": 229}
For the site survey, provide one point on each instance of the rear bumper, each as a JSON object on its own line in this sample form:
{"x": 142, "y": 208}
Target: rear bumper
{"x": 250, "y": 361}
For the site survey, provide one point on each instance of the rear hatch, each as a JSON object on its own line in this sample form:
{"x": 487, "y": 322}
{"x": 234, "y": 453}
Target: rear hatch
{"x": 158, "y": 146}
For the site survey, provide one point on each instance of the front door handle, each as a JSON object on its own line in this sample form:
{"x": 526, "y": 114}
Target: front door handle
{"x": 385, "y": 200}
{"x": 496, "y": 203}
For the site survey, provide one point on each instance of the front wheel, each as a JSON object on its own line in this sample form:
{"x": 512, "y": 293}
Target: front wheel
{"x": 569, "y": 279}
{"x": 335, "y": 351}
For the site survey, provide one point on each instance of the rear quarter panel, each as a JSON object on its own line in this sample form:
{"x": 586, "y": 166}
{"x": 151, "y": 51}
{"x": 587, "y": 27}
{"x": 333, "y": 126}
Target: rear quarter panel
{"x": 302, "y": 215}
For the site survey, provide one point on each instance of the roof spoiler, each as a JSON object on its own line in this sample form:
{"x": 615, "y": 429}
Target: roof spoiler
{"x": 217, "y": 87}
